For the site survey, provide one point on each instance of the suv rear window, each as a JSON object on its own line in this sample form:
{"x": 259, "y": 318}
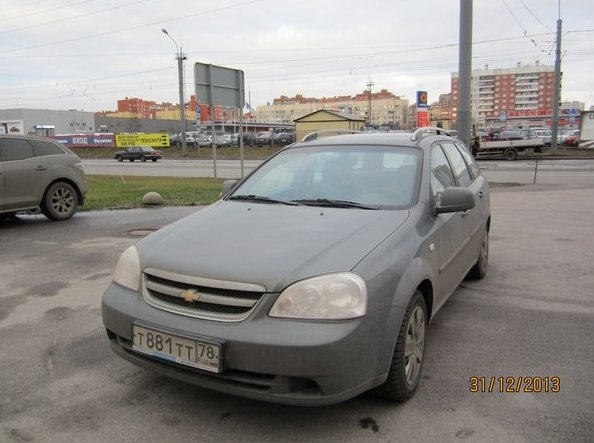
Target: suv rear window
{"x": 45, "y": 148}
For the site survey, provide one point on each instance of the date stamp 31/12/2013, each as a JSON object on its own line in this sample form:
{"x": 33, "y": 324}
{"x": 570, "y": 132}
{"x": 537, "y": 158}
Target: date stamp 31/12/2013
{"x": 514, "y": 384}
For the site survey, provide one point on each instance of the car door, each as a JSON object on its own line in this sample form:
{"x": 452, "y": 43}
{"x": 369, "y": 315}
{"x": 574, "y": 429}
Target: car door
{"x": 25, "y": 176}
{"x": 447, "y": 235}
{"x": 471, "y": 222}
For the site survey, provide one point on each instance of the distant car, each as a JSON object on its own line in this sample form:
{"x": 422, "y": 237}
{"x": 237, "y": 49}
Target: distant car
{"x": 572, "y": 140}
{"x": 514, "y": 134}
{"x": 40, "y": 173}
{"x": 545, "y": 134}
{"x": 313, "y": 279}
{"x": 568, "y": 133}
{"x": 283, "y": 138}
{"x": 263, "y": 138}
{"x": 142, "y": 153}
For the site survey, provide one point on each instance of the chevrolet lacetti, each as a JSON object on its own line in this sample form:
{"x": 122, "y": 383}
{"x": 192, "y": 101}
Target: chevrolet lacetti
{"x": 313, "y": 279}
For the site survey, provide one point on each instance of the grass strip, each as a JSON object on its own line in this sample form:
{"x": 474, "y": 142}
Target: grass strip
{"x": 115, "y": 192}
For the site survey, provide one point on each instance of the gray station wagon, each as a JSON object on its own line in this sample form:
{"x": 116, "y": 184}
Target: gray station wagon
{"x": 313, "y": 279}
{"x": 38, "y": 173}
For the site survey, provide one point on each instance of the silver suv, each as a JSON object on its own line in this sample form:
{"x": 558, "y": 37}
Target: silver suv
{"x": 313, "y": 279}
{"x": 38, "y": 173}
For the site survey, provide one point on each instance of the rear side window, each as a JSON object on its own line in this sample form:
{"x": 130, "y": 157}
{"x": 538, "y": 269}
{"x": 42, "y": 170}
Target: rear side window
{"x": 12, "y": 149}
{"x": 469, "y": 161}
{"x": 458, "y": 164}
{"x": 45, "y": 148}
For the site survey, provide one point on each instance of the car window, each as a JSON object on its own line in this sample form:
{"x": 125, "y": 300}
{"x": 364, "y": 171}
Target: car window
{"x": 45, "y": 148}
{"x": 459, "y": 167}
{"x": 474, "y": 169}
{"x": 442, "y": 176}
{"x": 15, "y": 149}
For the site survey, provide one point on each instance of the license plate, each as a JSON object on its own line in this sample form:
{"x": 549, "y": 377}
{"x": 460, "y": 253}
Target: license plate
{"x": 195, "y": 353}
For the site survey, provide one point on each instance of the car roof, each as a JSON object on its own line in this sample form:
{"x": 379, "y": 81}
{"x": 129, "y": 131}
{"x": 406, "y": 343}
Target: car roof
{"x": 399, "y": 139}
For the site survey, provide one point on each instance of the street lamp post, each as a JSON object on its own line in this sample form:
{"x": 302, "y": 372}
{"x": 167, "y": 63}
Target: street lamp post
{"x": 180, "y": 57}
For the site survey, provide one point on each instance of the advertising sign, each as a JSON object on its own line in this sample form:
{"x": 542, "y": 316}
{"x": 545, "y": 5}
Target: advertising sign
{"x": 422, "y": 99}
{"x": 86, "y": 140}
{"x": 13, "y": 127}
{"x": 422, "y": 119}
{"x": 157, "y": 140}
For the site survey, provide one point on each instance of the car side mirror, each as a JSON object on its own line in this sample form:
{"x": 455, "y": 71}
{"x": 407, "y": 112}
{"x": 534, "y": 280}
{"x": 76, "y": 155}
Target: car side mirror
{"x": 228, "y": 186}
{"x": 455, "y": 200}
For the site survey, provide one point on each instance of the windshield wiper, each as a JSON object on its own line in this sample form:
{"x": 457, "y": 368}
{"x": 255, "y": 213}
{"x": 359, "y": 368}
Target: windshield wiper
{"x": 262, "y": 199}
{"x": 335, "y": 203}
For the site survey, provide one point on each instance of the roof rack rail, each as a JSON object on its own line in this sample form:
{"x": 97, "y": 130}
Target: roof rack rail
{"x": 420, "y": 132}
{"x": 323, "y": 133}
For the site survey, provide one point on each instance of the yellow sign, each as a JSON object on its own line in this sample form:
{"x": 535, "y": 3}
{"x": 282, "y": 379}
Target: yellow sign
{"x": 154, "y": 140}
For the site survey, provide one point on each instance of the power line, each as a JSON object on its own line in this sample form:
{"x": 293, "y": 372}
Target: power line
{"x": 132, "y": 28}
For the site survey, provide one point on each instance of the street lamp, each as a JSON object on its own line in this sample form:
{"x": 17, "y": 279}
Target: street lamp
{"x": 180, "y": 57}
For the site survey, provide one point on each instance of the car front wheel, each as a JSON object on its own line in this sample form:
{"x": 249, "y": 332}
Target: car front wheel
{"x": 59, "y": 202}
{"x": 119, "y": 158}
{"x": 407, "y": 362}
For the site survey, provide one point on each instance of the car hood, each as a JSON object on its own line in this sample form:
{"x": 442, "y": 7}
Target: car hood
{"x": 267, "y": 244}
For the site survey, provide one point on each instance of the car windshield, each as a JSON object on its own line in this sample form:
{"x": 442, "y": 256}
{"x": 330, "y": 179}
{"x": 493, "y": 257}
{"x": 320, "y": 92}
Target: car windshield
{"x": 366, "y": 177}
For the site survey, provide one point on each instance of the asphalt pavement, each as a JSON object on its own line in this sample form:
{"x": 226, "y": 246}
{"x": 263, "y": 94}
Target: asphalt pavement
{"x": 531, "y": 317}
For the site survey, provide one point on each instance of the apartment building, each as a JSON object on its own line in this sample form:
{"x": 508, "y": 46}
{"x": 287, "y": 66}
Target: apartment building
{"x": 518, "y": 97}
{"x": 386, "y": 108}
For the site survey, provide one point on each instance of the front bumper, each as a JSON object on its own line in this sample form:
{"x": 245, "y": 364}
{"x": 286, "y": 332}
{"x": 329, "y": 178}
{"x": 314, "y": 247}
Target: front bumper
{"x": 277, "y": 360}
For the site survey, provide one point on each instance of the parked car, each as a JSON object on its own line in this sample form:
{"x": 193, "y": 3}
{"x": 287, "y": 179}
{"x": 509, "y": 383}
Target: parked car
{"x": 142, "y": 153}
{"x": 567, "y": 134}
{"x": 314, "y": 278}
{"x": 545, "y": 134}
{"x": 263, "y": 138}
{"x": 513, "y": 134}
{"x": 283, "y": 138}
{"x": 572, "y": 140}
{"x": 38, "y": 173}
{"x": 223, "y": 139}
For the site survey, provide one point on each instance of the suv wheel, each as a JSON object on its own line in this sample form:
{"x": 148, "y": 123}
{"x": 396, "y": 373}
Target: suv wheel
{"x": 59, "y": 202}
{"x": 407, "y": 362}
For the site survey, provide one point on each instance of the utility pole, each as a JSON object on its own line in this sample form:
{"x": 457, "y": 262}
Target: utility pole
{"x": 180, "y": 57}
{"x": 369, "y": 85}
{"x": 465, "y": 72}
{"x": 557, "y": 88}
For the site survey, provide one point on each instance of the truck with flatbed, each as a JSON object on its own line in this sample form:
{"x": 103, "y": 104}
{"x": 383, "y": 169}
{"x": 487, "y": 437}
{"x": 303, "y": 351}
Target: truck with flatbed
{"x": 507, "y": 144}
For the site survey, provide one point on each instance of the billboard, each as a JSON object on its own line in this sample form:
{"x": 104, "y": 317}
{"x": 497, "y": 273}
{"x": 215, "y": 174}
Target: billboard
{"x": 86, "y": 140}
{"x": 422, "y": 99}
{"x": 158, "y": 140}
{"x": 13, "y": 127}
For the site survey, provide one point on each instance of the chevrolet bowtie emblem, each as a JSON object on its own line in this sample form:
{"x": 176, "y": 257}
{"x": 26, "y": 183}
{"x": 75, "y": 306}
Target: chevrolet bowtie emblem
{"x": 190, "y": 295}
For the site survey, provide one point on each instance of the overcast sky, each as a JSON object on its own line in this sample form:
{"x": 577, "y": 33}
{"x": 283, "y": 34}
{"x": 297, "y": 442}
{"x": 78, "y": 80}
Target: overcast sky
{"x": 87, "y": 54}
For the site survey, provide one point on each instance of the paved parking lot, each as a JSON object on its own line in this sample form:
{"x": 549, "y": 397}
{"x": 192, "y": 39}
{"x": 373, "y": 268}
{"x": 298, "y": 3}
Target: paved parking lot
{"x": 533, "y": 316}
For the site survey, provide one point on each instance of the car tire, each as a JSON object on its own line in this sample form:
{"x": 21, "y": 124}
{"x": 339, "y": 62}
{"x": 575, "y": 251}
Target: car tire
{"x": 154, "y": 160}
{"x": 119, "y": 158}
{"x": 406, "y": 367}
{"x": 60, "y": 201}
{"x": 479, "y": 270}
{"x": 131, "y": 159}
{"x": 143, "y": 159}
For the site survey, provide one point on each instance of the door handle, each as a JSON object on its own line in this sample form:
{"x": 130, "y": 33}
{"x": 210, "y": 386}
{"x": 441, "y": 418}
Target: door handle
{"x": 40, "y": 168}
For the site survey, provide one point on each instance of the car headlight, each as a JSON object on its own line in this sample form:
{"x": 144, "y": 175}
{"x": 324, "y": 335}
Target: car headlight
{"x": 127, "y": 271}
{"x": 327, "y": 297}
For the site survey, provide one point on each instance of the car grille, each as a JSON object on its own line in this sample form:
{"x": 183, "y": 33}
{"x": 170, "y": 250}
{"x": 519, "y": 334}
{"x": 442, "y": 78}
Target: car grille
{"x": 199, "y": 297}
